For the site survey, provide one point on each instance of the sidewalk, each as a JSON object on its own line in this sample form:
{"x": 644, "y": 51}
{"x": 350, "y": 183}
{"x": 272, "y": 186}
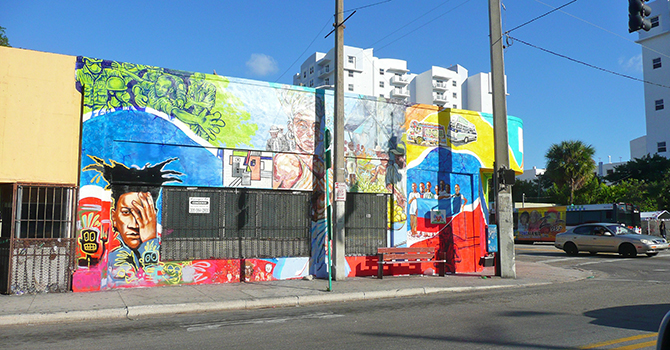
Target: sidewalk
{"x": 140, "y": 302}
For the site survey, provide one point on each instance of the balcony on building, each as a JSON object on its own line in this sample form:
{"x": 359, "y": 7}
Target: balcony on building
{"x": 440, "y": 85}
{"x": 325, "y": 71}
{"x": 439, "y": 98}
{"x": 399, "y": 92}
{"x": 324, "y": 61}
{"x": 400, "y": 80}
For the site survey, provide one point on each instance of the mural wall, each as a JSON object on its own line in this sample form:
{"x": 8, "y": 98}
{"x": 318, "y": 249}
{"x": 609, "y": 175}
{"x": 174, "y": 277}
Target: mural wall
{"x": 147, "y": 128}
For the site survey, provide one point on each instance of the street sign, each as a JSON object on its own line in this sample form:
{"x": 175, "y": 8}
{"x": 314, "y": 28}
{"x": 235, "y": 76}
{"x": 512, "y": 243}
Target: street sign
{"x": 340, "y": 192}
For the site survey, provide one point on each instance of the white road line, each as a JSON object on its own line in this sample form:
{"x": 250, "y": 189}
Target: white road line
{"x": 559, "y": 259}
{"x": 216, "y": 325}
{"x": 598, "y": 262}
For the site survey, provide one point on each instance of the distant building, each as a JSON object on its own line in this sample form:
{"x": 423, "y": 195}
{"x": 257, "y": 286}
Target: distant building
{"x": 656, "y": 66}
{"x": 531, "y": 174}
{"x": 365, "y": 74}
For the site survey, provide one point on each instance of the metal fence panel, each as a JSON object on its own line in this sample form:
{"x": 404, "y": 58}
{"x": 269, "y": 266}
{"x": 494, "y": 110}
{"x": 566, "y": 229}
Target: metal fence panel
{"x": 248, "y": 224}
{"x": 365, "y": 223}
{"x": 41, "y": 265}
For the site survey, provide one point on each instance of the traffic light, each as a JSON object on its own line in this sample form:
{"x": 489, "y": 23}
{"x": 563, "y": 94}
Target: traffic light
{"x": 638, "y": 12}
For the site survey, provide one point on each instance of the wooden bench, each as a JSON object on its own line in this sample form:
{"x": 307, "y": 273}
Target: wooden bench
{"x": 414, "y": 255}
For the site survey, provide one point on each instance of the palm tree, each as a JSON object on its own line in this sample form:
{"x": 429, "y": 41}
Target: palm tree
{"x": 570, "y": 163}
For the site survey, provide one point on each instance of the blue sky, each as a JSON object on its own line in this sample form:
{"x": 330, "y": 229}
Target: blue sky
{"x": 267, "y": 40}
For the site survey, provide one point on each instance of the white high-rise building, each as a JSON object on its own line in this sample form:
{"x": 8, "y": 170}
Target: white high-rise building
{"x": 389, "y": 78}
{"x": 656, "y": 66}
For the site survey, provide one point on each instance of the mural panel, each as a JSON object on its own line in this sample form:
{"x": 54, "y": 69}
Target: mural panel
{"x": 146, "y": 127}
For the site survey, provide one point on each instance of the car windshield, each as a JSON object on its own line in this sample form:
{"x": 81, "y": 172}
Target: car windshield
{"x": 621, "y": 230}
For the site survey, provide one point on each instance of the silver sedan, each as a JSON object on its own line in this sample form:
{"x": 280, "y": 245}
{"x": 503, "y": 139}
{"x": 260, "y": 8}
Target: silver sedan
{"x": 608, "y": 237}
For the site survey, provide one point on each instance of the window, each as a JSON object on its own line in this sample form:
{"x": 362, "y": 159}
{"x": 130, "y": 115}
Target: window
{"x": 610, "y": 171}
{"x": 351, "y": 74}
{"x": 661, "y": 147}
{"x": 311, "y": 83}
{"x": 654, "y": 21}
{"x": 454, "y": 106}
{"x": 381, "y": 95}
{"x": 381, "y": 71}
{"x": 656, "y": 62}
{"x": 453, "y": 82}
{"x": 659, "y": 104}
{"x": 352, "y": 60}
{"x": 351, "y": 87}
{"x": 311, "y": 70}
{"x": 327, "y": 68}
{"x": 327, "y": 81}
{"x": 44, "y": 212}
{"x": 381, "y": 84}
{"x": 304, "y": 74}
{"x": 455, "y": 95}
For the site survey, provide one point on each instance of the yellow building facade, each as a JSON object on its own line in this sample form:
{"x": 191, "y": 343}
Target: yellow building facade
{"x": 40, "y": 111}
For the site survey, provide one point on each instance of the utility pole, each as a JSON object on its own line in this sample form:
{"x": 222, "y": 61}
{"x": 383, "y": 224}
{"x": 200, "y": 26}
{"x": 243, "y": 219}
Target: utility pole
{"x": 339, "y": 263}
{"x": 505, "y": 264}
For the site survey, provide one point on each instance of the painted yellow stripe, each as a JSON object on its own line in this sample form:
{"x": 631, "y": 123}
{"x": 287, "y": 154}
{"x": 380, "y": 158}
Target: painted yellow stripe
{"x": 638, "y": 346}
{"x": 620, "y": 340}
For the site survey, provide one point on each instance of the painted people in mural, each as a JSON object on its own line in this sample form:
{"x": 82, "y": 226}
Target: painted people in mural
{"x": 277, "y": 141}
{"x": 189, "y": 98}
{"x": 413, "y": 209}
{"x": 458, "y": 200}
{"x": 295, "y": 169}
{"x": 133, "y": 214}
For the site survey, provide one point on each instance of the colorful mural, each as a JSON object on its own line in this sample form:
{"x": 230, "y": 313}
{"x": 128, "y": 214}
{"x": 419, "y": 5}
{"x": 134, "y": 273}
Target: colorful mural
{"x": 146, "y": 129}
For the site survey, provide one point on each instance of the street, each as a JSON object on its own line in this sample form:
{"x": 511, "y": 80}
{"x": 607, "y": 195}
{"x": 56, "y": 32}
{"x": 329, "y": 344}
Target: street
{"x": 619, "y": 307}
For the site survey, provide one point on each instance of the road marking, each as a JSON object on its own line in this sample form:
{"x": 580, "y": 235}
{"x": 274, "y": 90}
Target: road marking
{"x": 623, "y": 340}
{"x": 598, "y": 262}
{"x": 216, "y": 325}
{"x": 559, "y": 259}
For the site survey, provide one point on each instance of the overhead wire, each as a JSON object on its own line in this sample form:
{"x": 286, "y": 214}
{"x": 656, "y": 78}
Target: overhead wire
{"x": 423, "y": 25}
{"x": 604, "y": 29}
{"x": 588, "y": 64}
{"x": 321, "y": 31}
{"x": 307, "y": 48}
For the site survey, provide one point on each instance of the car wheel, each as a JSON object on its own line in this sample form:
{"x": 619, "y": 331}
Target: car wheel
{"x": 652, "y": 254}
{"x": 570, "y": 248}
{"x": 627, "y": 251}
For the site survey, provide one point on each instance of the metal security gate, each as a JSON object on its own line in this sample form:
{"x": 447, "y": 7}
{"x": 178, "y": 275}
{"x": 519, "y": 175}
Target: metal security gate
{"x": 214, "y": 223}
{"x": 36, "y": 248}
{"x": 366, "y": 219}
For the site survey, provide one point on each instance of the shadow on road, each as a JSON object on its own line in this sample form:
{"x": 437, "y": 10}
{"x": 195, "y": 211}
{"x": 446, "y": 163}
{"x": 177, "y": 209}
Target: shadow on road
{"x": 646, "y": 317}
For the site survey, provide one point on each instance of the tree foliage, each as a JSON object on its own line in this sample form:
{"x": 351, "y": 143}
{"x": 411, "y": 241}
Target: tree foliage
{"x": 648, "y": 168}
{"x": 3, "y": 38}
{"x": 570, "y": 166}
{"x": 570, "y": 179}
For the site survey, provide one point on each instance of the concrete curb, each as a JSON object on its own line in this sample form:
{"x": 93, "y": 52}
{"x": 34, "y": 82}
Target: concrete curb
{"x": 137, "y": 312}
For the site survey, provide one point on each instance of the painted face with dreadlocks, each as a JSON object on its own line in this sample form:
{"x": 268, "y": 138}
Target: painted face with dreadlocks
{"x": 134, "y": 218}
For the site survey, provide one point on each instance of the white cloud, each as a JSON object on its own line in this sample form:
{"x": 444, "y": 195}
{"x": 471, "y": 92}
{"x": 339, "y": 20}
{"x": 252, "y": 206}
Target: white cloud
{"x": 262, "y": 65}
{"x": 633, "y": 64}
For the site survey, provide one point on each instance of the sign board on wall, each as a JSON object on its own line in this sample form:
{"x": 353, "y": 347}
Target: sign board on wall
{"x": 340, "y": 192}
{"x": 198, "y": 205}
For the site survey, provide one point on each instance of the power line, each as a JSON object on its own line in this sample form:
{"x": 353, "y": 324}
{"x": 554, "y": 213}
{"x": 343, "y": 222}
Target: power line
{"x": 425, "y": 24}
{"x": 412, "y": 21}
{"x": 307, "y": 48}
{"x": 536, "y": 18}
{"x": 587, "y": 64}
{"x": 606, "y": 30}
{"x": 366, "y": 6}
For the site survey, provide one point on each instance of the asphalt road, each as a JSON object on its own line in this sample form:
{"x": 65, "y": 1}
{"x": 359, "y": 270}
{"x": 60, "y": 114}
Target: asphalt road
{"x": 620, "y": 307}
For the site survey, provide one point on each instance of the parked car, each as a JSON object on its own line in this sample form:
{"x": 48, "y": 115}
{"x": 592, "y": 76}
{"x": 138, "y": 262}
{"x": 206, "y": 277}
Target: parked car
{"x": 608, "y": 237}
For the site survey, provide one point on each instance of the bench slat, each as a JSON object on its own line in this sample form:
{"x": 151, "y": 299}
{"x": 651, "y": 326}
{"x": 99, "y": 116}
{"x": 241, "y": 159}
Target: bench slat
{"x": 408, "y": 255}
{"x": 413, "y": 256}
{"x": 406, "y": 250}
